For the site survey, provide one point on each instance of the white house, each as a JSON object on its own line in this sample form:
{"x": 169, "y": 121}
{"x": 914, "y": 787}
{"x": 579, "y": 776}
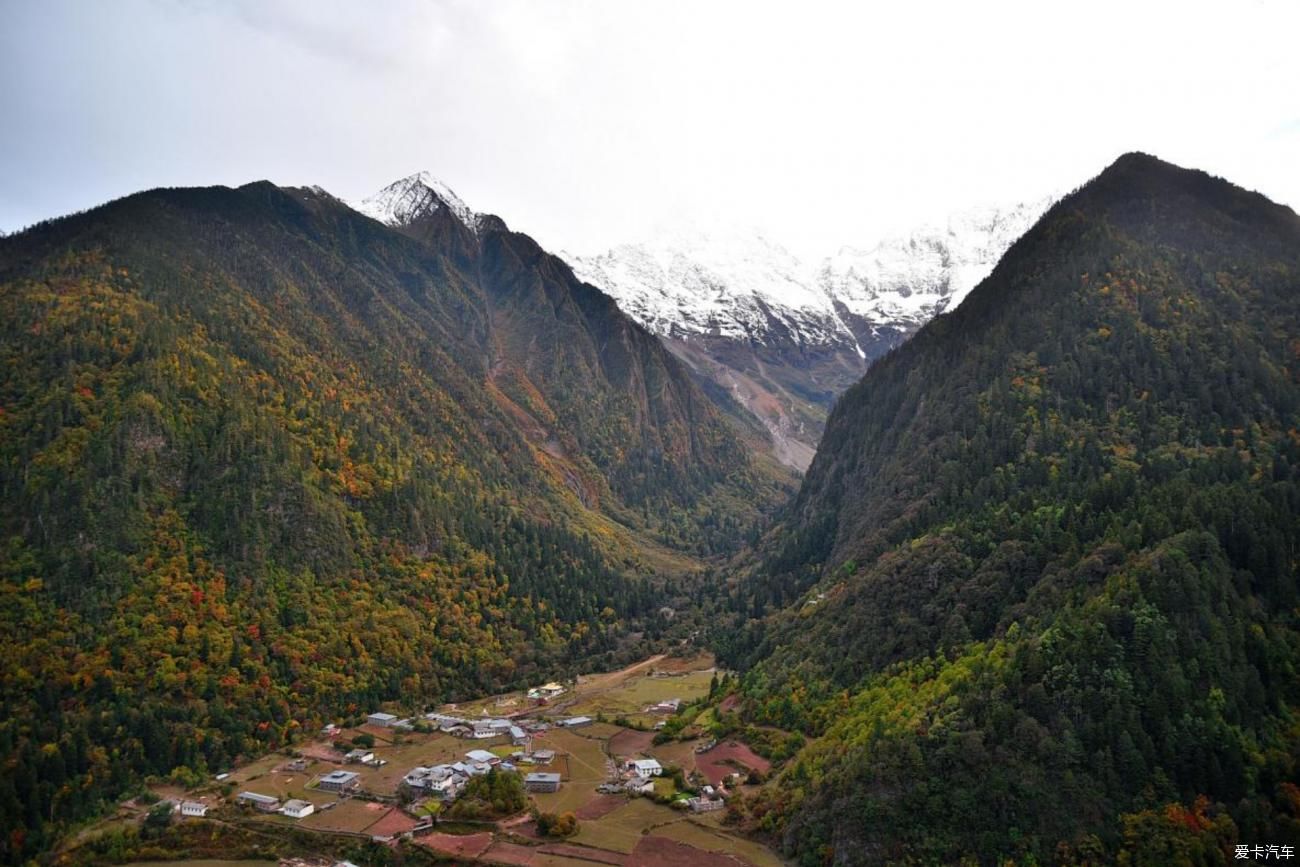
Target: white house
{"x": 298, "y": 808}
{"x": 645, "y": 767}
{"x": 361, "y": 756}
{"x": 483, "y": 756}
{"x": 547, "y": 691}
{"x": 381, "y": 719}
{"x": 194, "y": 808}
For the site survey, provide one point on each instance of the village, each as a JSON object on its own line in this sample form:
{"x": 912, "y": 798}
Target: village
{"x": 591, "y": 782}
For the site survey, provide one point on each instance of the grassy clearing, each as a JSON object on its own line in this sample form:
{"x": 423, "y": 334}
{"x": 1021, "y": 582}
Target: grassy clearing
{"x": 350, "y": 815}
{"x": 631, "y": 696}
{"x": 678, "y": 753}
{"x": 568, "y": 799}
{"x": 256, "y": 770}
{"x": 284, "y": 785}
{"x": 586, "y": 755}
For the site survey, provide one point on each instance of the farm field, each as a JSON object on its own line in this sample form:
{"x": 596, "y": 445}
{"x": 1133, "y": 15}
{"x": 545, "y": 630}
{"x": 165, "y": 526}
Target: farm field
{"x": 621, "y": 830}
{"x": 587, "y": 759}
{"x": 528, "y": 856}
{"x": 727, "y": 758}
{"x": 583, "y": 853}
{"x": 350, "y": 816}
{"x": 687, "y": 831}
{"x": 629, "y": 743}
{"x": 678, "y": 753}
{"x": 657, "y": 851}
{"x": 459, "y": 845}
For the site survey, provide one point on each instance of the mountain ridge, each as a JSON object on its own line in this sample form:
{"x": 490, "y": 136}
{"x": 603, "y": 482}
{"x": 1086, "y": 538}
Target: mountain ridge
{"x": 1035, "y": 591}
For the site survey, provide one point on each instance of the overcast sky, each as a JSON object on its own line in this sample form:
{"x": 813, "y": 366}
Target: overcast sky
{"x": 590, "y": 123}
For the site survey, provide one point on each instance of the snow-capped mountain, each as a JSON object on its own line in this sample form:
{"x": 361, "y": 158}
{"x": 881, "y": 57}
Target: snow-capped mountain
{"x": 733, "y": 285}
{"x": 906, "y": 280}
{"x": 743, "y": 286}
{"x": 403, "y": 202}
{"x": 786, "y": 337}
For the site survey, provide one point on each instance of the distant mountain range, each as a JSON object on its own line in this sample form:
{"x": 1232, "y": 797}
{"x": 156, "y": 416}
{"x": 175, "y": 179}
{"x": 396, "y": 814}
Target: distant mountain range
{"x": 785, "y": 337}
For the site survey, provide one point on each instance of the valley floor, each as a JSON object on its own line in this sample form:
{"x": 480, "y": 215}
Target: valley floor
{"x": 613, "y": 827}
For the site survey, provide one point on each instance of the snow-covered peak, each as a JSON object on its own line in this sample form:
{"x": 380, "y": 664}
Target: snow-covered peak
{"x": 403, "y": 202}
{"x": 741, "y": 285}
{"x": 907, "y": 279}
{"x": 720, "y": 283}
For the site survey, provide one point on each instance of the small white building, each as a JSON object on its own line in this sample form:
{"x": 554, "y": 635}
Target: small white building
{"x": 645, "y": 767}
{"x": 298, "y": 808}
{"x": 483, "y": 756}
{"x": 546, "y": 691}
{"x": 193, "y": 808}
{"x": 361, "y": 756}
{"x": 574, "y": 722}
{"x": 382, "y": 719}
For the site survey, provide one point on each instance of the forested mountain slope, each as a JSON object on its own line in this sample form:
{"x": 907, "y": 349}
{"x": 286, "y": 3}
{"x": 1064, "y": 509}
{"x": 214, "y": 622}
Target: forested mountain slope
{"x": 1040, "y": 580}
{"x": 264, "y": 459}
